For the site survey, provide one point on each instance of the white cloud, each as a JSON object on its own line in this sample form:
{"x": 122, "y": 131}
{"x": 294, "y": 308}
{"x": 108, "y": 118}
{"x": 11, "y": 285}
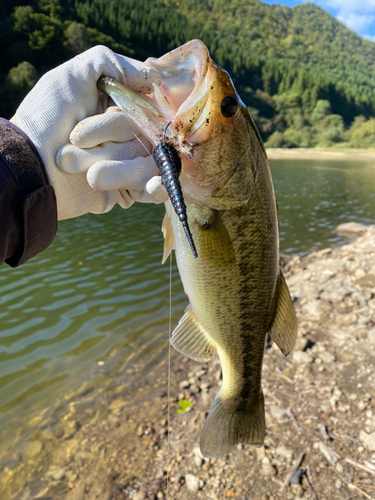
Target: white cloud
{"x": 356, "y": 22}
{"x": 358, "y": 15}
{"x": 360, "y": 6}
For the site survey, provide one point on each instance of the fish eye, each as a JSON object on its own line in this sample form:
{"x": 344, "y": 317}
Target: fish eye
{"x": 229, "y": 106}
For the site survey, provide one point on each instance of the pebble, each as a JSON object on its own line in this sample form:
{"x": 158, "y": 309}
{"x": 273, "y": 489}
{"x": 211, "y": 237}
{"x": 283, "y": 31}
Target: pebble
{"x": 192, "y": 483}
{"x": 371, "y": 336}
{"x": 268, "y": 470}
{"x": 32, "y": 450}
{"x": 301, "y": 357}
{"x": 70, "y": 427}
{"x": 348, "y": 357}
{"x": 185, "y": 384}
{"x": 139, "y": 495}
{"x": 369, "y": 442}
{"x": 58, "y": 474}
{"x": 140, "y": 430}
{"x": 279, "y": 414}
{"x": 282, "y": 451}
{"x": 327, "y": 357}
{"x": 351, "y": 229}
{"x": 301, "y": 343}
{"x": 347, "y": 319}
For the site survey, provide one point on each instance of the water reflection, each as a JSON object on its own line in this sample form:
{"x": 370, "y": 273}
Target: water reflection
{"x": 315, "y": 197}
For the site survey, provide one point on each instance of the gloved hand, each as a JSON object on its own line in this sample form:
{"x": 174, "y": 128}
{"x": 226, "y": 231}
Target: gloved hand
{"x": 106, "y": 172}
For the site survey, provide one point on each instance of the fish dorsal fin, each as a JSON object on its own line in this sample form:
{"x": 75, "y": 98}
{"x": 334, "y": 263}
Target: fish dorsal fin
{"x": 190, "y": 338}
{"x": 284, "y": 326}
{"x": 169, "y": 242}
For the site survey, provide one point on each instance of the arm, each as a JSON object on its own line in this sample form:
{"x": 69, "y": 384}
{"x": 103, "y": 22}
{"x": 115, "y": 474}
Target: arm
{"x": 67, "y": 152}
{"x": 28, "y": 215}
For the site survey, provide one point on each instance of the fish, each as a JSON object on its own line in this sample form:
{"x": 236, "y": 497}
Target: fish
{"x": 237, "y": 292}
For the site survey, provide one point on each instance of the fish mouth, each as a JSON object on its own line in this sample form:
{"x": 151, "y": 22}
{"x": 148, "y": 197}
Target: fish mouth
{"x": 182, "y": 99}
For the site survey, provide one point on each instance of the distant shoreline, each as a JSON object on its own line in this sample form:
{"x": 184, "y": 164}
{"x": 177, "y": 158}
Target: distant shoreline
{"x": 321, "y": 154}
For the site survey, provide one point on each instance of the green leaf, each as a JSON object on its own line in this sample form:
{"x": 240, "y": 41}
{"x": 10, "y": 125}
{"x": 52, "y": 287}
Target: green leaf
{"x": 184, "y": 405}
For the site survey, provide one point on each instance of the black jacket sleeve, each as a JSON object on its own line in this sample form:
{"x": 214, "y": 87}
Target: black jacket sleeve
{"x": 28, "y": 213}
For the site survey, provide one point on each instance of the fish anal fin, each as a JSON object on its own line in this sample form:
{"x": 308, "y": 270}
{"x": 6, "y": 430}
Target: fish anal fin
{"x": 169, "y": 243}
{"x": 284, "y": 326}
{"x": 190, "y": 339}
{"x": 225, "y": 427}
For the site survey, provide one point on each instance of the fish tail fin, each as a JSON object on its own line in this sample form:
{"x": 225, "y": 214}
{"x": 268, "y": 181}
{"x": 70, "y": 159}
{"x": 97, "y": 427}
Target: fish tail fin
{"x": 225, "y": 427}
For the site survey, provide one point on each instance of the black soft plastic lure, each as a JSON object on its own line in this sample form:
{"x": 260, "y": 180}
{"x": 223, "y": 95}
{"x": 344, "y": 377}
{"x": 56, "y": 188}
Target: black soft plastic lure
{"x": 168, "y": 162}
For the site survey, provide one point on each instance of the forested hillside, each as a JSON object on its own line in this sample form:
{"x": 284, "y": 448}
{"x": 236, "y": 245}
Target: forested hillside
{"x": 306, "y": 78}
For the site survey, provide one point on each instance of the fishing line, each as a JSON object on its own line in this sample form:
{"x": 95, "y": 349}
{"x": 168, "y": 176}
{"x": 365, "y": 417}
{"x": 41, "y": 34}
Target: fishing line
{"x": 169, "y": 340}
{"x": 169, "y": 358}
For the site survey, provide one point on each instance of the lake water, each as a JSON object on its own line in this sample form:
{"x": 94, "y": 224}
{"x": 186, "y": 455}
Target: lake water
{"x": 97, "y": 301}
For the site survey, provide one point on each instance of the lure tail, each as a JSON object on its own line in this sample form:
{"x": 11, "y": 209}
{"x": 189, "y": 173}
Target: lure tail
{"x": 225, "y": 427}
{"x": 169, "y": 164}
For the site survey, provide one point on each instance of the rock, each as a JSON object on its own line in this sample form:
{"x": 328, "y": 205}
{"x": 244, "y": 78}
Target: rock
{"x": 140, "y": 430}
{"x": 368, "y": 280}
{"x": 301, "y": 343}
{"x": 313, "y": 309}
{"x": 371, "y": 336}
{"x": 348, "y": 357}
{"x": 139, "y": 495}
{"x": 278, "y": 414}
{"x": 57, "y": 474}
{"x": 32, "y": 450}
{"x": 268, "y": 470}
{"x": 260, "y": 453}
{"x": 346, "y": 319}
{"x": 185, "y": 384}
{"x": 297, "y": 476}
{"x": 351, "y": 229}
{"x": 327, "y": 357}
{"x": 70, "y": 427}
{"x": 116, "y": 406}
{"x": 282, "y": 451}
{"x": 192, "y": 483}
{"x": 301, "y": 357}
{"x": 369, "y": 442}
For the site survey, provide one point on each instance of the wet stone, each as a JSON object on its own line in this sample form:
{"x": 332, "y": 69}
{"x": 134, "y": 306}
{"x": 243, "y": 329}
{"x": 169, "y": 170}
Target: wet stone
{"x": 32, "y": 450}
{"x": 58, "y": 474}
{"x": 70, "y": 428}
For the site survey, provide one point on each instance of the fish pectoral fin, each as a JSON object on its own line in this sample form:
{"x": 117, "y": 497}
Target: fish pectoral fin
{"x": 215, "y": 245}
{"x": 169, "y": 241}
{"x": 190, "y": 338}
{"x": 284, "y": 326}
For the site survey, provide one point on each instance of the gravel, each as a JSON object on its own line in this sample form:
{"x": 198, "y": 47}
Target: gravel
{"x": 112, "y": 444}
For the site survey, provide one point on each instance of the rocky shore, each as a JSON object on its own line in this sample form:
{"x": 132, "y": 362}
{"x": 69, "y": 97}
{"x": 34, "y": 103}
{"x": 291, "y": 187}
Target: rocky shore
{"x": 321, "y": 154}
{"x": 320, "y": 441}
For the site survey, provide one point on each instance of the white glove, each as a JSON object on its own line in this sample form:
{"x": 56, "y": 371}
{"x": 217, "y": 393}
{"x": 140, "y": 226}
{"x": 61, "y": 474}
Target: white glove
{"x": 64, "y": 97}
{"x": 98, "y": 145}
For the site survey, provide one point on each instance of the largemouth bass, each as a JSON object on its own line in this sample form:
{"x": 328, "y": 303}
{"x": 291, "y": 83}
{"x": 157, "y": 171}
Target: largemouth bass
{"x": 236, "y": 289}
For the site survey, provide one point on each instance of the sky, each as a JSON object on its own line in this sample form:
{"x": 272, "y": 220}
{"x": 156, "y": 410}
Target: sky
{"x": 358, "y": 15}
